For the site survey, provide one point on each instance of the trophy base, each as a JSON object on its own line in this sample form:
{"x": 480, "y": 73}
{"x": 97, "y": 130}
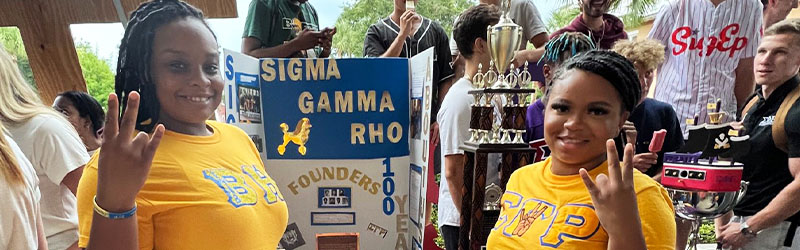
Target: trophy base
{"x": 489, "y": 220}
{"x": 495, "y": 145}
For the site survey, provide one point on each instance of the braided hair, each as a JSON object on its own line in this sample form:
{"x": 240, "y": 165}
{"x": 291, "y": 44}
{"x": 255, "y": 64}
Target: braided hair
{"x": 565, "y": 46}
{"x": 135, "y": 52}
{"x": 611, "y": 66}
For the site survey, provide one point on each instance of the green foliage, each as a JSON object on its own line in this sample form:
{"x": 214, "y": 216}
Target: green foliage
{"x": 635, "y": 12}
{"x": 707, "y": 234}
{"x": 562, "y": 17}
{"x": 358, "y": 15}
{"x": 96, "y": 72}
{"x": 435, "y": 221}
{"x": 435, "y": 217}
{"x": 12, "y": 42}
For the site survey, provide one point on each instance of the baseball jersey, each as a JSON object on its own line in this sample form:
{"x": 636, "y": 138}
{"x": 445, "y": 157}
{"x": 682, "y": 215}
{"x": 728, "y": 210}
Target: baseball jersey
{"x": 704, "y": 44}
{"x": 203, "y": 192}
{"x": 541, "y": 210}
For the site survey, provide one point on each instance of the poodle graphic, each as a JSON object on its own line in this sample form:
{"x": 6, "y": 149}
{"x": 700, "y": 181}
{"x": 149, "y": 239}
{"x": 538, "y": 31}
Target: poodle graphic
{"x": 299, "y": 136}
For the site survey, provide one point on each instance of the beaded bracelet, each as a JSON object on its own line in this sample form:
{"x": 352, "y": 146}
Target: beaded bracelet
{"x": 114, "y": 216}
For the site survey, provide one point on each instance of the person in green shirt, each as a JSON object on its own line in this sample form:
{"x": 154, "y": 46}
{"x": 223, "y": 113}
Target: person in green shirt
{"x": 285, "y": 28}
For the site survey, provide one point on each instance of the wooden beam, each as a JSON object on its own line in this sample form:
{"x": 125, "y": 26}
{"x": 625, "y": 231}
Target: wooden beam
{"x": 44, "y": 26}
{"x": 100, "y": 11}
{"x": 51, "y": 50}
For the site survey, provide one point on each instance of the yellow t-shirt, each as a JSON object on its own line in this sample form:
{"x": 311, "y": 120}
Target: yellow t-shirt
{"x": 541, "y": 210}
{"x": 203, "y": 192}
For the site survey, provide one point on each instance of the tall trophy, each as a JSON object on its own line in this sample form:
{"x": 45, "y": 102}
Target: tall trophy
{"x": 504, "y": 39}
{"x": 497, "y": 125}
{"x": 701, "y": 178}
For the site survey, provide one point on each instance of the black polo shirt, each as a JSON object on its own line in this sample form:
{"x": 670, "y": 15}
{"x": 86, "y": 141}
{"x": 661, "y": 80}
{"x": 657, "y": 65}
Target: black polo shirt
{"x": 380, "y": 36}
{"x": 766, "y": 167}
{"x": 650, "y": 116}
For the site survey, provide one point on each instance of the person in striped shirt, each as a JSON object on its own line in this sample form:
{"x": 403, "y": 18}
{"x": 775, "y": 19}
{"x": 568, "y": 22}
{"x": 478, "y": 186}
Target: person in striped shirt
{"x": 710, "y": 46}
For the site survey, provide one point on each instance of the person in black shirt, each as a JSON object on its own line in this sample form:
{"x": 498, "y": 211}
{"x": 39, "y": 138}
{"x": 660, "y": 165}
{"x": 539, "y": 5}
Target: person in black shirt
{"x": 767, "y": 216}
{"x": 405, "y": 34}
{"x": 650, "y": 115}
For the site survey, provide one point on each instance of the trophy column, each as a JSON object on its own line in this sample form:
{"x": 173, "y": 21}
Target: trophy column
{"x": 496, "y": 93}
{"x": 480, "y": 206}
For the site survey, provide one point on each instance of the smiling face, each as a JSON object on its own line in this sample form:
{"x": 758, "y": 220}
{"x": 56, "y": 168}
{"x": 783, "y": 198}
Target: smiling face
{"x": 777, "y": 59}
{"x": 185, "y": 71}
{"x": 594, "y": 8}
{"x": 582, "y": 112}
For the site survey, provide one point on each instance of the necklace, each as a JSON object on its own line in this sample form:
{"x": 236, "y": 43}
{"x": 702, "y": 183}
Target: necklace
{"x": 603, "y": 34}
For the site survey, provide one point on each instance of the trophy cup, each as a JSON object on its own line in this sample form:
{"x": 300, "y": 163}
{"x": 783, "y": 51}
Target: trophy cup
{"x": 497, "y": 125}
{"x": 701, "y": 183}
{"x": 504, "y": 39}
{"x": 697, "y": 206}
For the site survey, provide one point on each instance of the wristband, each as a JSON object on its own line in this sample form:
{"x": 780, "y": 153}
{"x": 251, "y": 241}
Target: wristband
{"x": 114, "y": 216}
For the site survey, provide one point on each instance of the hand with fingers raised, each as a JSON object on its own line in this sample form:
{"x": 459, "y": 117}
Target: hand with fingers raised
{"x": 614, "y": 200}
{"x": 124, "y": 160}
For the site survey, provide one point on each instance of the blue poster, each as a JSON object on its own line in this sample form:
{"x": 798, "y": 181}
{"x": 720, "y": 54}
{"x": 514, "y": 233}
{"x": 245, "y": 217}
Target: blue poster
{"x": 335, "y": 109}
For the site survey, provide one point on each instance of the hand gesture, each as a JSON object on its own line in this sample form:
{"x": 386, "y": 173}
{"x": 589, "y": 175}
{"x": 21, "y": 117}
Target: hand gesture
{"x": 644, "y": 161}
{"x": 614, "y": 197}
{"x": 407, "y": 23}
{"x": 630, "y": 133}
{"x": 308, "y": 39}
{"x": 124, "y": 163}
{"x": 525, "y": 222}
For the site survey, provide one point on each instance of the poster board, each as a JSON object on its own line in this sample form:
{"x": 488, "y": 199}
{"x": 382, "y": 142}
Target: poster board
{"x": 421, "y": 70}
{"x": 334, "y": 134}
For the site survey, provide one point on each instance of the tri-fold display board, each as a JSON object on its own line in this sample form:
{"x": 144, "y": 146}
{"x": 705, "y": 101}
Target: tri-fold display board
{"x": 346, "y": 140}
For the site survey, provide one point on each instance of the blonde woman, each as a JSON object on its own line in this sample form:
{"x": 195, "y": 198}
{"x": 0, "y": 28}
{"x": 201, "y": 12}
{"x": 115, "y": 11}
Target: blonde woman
{"x": 53, "y": 147}
{"x": 20, "y": 221}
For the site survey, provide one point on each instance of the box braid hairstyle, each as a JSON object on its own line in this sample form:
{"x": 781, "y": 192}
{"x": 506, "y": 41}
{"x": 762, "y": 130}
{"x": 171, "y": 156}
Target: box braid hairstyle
{"x": 611, "y": 66}
{"x": 135, "y": 52}
{"x": 566, "y": 45}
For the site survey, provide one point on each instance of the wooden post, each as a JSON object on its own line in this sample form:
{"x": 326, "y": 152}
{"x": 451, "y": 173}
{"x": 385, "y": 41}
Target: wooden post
{"x": 44, "y": 27}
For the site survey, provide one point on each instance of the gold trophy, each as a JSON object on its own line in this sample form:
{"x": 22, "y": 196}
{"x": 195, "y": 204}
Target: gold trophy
{"x": 497, "y": 125}
{"x": 504, "y": 39}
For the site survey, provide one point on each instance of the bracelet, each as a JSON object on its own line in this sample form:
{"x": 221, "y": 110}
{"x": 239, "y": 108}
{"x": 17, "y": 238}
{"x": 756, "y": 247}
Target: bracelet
{"x": 114, "y": 216}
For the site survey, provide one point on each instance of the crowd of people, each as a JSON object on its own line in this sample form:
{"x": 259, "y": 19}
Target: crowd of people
{"x": 139, "y": 176}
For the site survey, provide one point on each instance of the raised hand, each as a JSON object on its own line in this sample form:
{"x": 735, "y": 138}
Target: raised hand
{"x": 124, "y": 163}
{"x": 630, "y": 133}
{"x": 614, "y": 198}
{"x": 407, "y": 23}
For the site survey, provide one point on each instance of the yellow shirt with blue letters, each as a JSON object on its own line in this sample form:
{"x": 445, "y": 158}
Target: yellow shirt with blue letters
{"x": 541, "y": 210}
{"x": 203, "y": 192}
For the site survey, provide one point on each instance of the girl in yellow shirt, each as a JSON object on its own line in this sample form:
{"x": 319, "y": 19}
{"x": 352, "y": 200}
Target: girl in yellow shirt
{"x": 192, "y": 183}
{"x": 555, "y": 204}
